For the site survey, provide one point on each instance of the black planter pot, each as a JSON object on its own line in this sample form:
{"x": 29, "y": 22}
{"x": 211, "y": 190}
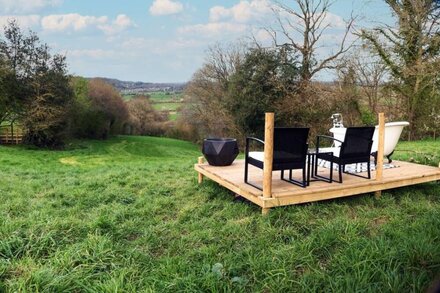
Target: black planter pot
{"x": 220, "y": 151}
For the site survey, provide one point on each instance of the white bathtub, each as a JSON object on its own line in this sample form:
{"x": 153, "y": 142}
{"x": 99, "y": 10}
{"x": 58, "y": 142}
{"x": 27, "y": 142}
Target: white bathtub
{"x": 393, "y": 130}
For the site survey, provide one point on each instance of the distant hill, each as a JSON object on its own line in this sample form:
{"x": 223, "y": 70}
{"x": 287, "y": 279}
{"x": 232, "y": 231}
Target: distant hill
{"x": 136, "y": 87}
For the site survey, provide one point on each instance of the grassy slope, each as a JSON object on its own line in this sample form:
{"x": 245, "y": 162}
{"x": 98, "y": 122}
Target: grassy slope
{"x": 127, "y": 214}
{"x": 163, "y": 102}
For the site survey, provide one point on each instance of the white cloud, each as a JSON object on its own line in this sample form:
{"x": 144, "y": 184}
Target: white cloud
{"x": 77, "y": 22}
{"x": 231, "y": 21}
{"x": 333, "y": 20}
{"x": 330, "y": 19}
{"x": 26, "y": 6}
{"x": 73, "y": 21}
{"x": 121, "y": 23}
{"x": 25, "y": 21}
{"x": 263, "y": 36}
{"x": 218, "y": 13}
{"x": 165, "y": 7}
{"x": 243, "y": 12}
{"x": 213, "y": 29}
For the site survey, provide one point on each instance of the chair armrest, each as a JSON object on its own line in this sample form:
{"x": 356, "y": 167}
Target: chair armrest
{"x": 248, "y": 139}
{"x": 325, "y": 136}
{"x": 329, "y": 137}
{"x": 255, "y": 139}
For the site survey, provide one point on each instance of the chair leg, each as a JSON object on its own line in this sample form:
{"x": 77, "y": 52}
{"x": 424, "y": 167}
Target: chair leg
{"x": 331, "y": 171}
{"x": 340, "y": 172}
{"x": 246, "y": 169}
{"x": 301, "y": 183}
{"x": 308, "y": 170}
{"x": 365, "y": 177}
{"x": 304, "y": 176}
{"x": 315, "y": 174}
{"x": 369, "y": 171}
{"x": 315, "y": 166}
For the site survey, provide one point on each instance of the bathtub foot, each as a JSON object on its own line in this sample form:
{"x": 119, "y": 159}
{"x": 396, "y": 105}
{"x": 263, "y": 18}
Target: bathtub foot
{"x": 375, "y": 158}
{"x": 389, "y": 157}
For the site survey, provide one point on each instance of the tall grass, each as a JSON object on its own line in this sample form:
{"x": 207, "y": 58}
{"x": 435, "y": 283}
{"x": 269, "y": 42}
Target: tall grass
{"x": 127, "y": 215}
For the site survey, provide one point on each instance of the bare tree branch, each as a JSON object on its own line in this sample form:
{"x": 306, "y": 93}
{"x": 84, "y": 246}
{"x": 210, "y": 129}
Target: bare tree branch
{"x": 303, "y": 29}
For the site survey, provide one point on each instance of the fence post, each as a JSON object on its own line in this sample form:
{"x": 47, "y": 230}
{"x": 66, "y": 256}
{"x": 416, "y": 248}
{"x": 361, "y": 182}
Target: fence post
{"x": 268, "y": 157}
{"x": 380, "y": 151}
{"x": 200, "y": 179}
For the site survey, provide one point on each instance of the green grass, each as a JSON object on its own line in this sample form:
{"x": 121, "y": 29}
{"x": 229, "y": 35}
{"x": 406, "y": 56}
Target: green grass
{"x": 167, "y": 106}
{"x": 127, "y": 215}
{"x": 157, "y": 97}
{"x": 128, "y": 97}
{"x": 173, "y": 116}
{"x": 165, "y": 97}
{"x": 423, "y": 152}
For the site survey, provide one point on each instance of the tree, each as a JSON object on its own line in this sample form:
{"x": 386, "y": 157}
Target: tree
{"x": 109, "y": 109}
{"x": 144, "y": 119}
{"x": 371, "y": 76}
{"x": 207, "y": 92}
{"x": 263, "y": 79}
{"x": 310, "y": 21}
{"x": 81, "y": 114}
{"x": 5, "y": 98}
{"x": 36, "y": 87}
{"x": 46, "y": 118}
{"x": 411, "y": 53}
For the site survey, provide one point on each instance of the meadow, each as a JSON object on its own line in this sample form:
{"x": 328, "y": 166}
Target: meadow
{"x": 127, "y": 215}
{"x": 164, "y": 102}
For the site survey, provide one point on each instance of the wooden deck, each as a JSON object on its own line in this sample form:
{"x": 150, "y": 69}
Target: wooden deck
{"x": 284, "y": 193}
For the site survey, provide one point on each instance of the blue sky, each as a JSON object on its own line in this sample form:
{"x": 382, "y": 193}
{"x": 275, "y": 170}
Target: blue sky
{"x": 157, "y": 40}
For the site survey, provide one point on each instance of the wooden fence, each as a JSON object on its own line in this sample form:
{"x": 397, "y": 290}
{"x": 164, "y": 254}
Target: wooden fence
{"x": 11, "y": 135}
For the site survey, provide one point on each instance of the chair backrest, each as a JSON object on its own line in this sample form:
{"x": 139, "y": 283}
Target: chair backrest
{"x": 290, "y": 143}
{"x": 357, "y": 142}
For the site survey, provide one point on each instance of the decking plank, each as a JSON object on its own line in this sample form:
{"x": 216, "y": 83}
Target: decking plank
{"x": 284, "y": 193}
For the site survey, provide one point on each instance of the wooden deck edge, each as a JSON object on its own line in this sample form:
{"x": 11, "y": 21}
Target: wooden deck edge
{"x": 283, "y": 199}
{"x": 370, "y": 184}
{"x": 256, "y": 199}
{"x": 348, "y": 191}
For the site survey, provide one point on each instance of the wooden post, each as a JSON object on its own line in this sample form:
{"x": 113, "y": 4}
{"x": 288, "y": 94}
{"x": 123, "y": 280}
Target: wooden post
{"x": 201, "y": 161}
{"x": 268, "y": 156}
{"x": 380, "y": 151}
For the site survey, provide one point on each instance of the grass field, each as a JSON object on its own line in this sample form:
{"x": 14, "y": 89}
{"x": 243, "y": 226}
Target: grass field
{"x": 163, "y": 101}
{"x": 167, "y": 106}
{"x": 165, "y": 97}
{"x": 127, "y": 215}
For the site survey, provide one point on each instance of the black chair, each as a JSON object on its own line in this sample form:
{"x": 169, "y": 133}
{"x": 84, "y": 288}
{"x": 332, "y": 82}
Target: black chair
{"x": 356, "y": 148}
{"x": 289, "y": 153}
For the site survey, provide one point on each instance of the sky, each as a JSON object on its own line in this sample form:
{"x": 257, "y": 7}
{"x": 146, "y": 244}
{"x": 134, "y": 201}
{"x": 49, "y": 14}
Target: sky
{"x": 161, "y": 40}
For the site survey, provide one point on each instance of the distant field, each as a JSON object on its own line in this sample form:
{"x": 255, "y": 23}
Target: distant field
{"x": 165, "y": 97}
{"x": 128, "y": 97}
{"x": 167, "y": 106}
{"x": 173, "y": 116}
{"x": 163, "y": 101}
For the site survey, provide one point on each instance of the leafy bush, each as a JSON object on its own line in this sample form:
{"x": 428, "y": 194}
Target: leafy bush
{"x": 98, "y": 110}
{"x": 144, "y": 119}
{"x": 34, "y": 87}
